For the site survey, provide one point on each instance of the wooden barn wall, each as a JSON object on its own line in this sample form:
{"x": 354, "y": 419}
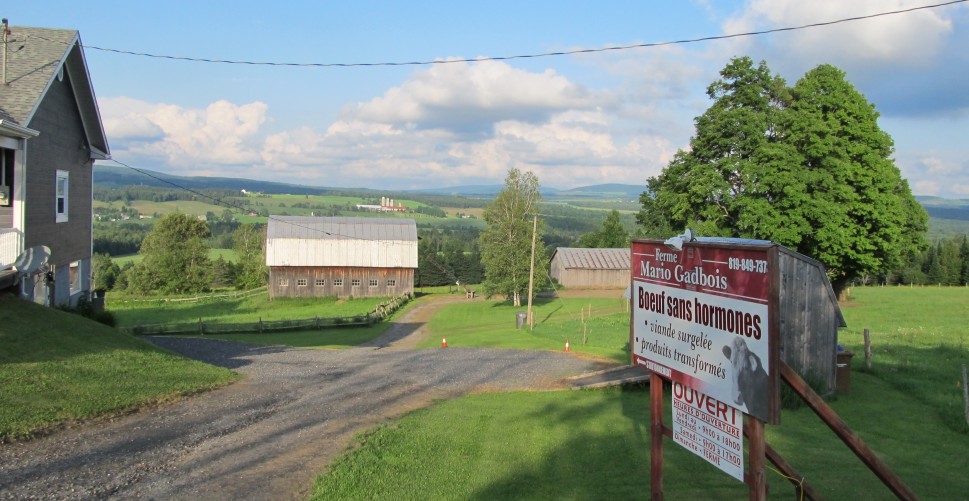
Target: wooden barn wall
{"x": 594, "y": 279}
{"x": 588, "y": 278}
{"x": 808, "y": 321}
{"x": 291, "y": 274}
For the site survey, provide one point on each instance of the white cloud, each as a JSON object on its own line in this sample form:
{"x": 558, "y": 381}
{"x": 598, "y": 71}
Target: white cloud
{"x": 466, "y": 97}
{"x": 909, "y": 39}
{"x": 223, "y": 133}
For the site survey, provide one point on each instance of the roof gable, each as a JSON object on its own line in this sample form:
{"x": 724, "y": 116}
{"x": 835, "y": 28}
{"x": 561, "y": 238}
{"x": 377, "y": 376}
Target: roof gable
{"x": 37, "y": 56}
{"x": 341, "y": 228}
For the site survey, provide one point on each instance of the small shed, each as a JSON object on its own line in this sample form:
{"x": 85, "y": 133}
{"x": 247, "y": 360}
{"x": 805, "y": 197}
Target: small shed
{"x": 340, "y": 256}
{"x": 581, "y": 268}
{"x": 809, "y": 319}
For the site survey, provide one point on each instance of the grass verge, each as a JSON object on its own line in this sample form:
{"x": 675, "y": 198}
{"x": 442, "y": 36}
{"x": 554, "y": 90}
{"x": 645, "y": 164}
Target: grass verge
{"x": 130, "y": 312}
{"x": 57, "y": 367}
{"x": 492, "y": 324}
{"x": 594, "y": 444}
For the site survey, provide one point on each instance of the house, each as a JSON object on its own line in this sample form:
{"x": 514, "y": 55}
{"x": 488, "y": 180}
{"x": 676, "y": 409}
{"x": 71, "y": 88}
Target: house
{"x": 340, "y": 256}
{"x": 591, "y": 268}
{"x": 50, "y": 136}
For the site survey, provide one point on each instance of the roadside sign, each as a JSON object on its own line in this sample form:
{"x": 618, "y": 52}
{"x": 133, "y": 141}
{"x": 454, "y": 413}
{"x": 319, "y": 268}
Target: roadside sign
{"x": 701, "y": 318}
{"x": 710, "y": 429}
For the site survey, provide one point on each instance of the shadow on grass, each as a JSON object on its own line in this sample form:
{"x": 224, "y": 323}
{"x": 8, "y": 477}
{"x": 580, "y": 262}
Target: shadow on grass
{"x": 603, "y": 462}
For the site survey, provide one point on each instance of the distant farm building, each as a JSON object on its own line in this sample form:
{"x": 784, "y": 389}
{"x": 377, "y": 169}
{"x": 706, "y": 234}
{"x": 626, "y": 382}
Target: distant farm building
{"x": 591, "y": 268}
{"x": 340, "y": 256}
{"x": 386, "y": 205}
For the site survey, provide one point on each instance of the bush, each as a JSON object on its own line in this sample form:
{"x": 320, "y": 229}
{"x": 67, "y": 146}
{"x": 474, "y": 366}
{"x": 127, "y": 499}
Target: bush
{"x": 86, "y": 309}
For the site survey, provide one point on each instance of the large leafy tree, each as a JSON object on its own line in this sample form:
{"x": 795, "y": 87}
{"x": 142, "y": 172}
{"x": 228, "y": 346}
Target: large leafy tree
{"x": 506, "y": 244}
{"x": 806, "y": 167}
{"x": 863, "y": 216}
{"x": 175, "y": 257}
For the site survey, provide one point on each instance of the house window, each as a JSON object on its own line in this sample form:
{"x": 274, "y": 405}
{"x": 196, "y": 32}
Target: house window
{"x": 373, "y": 282}
{"x": 60, "y": 200}
{"x": 355, "y": 282}
{"x": 6, "y": 177}
{"x": 338, "y": 282}
{"x": 392, "y": 283}
{"x": 284, "y": 282}
{"x": 320, "y": 282}
{"x": 301, "y": 282}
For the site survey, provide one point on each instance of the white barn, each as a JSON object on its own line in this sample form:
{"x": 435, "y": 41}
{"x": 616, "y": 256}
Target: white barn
{"x": 340, "y": 256}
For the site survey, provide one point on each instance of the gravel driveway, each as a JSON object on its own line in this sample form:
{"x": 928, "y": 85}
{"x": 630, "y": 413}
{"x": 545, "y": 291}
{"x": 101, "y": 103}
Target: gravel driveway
{"x": 268, "y": 436}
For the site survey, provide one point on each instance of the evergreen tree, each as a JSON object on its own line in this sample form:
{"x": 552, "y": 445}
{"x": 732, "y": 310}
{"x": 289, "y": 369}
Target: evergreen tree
{"x": 612, "y": 234}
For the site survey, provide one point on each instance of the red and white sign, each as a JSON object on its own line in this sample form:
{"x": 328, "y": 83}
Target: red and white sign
{"x": 700, "y": 318}
{"x": 710, "y": 429}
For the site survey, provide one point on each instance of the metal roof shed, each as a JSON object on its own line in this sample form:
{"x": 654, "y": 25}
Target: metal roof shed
{"x": 584, "y": 268}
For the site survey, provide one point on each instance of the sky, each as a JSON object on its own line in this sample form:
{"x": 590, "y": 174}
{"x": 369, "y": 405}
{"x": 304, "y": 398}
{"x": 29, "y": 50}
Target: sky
{"x": 614, "y": 116}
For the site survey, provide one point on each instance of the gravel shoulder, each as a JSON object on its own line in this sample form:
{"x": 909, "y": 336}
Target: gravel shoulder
{"x": 269, "y": 435}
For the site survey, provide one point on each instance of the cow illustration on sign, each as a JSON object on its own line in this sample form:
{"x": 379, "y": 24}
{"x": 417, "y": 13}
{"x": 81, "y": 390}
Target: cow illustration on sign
{"x": 748, "y": 377}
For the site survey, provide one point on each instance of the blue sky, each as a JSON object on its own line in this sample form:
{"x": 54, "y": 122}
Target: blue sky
{"x": 608, "y": 117}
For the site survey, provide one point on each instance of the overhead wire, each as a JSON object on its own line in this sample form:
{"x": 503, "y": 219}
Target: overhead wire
{"x": 521, "y": 56}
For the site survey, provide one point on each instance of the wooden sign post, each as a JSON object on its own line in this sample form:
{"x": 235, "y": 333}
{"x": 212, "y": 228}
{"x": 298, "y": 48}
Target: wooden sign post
{"x": 704, "y": 317}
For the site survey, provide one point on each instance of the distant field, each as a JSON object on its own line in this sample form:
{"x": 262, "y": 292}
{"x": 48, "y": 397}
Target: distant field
{"x": 187, "y": 206}
{"x": 227, "y": 254}
{"x": 471, "y": 211}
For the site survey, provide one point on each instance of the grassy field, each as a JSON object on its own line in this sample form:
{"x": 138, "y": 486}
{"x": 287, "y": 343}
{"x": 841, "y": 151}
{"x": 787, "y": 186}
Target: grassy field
{"x": 594, "y": 444}
{"x": 227, "y": 254}
{"x": 134, "y": 310}
{"x": 492, "y": 324}
{"x": 57, "y": 367}
{"x": 920, "y": 339}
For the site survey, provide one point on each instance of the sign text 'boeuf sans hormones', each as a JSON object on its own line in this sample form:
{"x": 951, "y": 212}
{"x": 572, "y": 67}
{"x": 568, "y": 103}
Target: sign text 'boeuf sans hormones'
{"x": 700, "y": 318}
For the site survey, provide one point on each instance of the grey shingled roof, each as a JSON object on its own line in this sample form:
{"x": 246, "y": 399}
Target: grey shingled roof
{"x": 34, "y": 56}
{"x": 362, "y": 228}
{"x": 594, "y": 259}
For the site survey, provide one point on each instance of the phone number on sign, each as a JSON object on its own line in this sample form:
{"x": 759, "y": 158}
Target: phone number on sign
{"x": 746, "y": 264}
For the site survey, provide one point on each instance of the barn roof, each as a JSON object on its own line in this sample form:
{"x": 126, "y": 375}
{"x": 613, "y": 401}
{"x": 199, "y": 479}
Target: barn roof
{"x": 593, "y": 259}
{"x": 341, "y": 228}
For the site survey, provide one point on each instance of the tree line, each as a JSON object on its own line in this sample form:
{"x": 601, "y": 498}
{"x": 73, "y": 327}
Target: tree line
{"x": 175, "y": 260}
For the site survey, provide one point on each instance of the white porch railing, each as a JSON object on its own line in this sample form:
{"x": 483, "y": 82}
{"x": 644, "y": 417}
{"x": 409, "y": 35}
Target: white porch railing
{"x": 11, "y": 245}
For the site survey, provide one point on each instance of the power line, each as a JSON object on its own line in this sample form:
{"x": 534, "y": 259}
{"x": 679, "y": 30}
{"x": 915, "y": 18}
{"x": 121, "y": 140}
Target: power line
{"x": 522, "y": 56}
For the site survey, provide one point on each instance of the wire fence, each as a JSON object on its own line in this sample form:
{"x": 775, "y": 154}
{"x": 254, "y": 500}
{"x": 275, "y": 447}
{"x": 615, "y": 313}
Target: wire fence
{"x": 200, "y": 327}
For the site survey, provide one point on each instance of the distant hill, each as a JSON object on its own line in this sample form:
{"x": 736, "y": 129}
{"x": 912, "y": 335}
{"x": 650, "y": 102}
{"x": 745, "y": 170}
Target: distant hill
{"x": 613, "y": 190}
{"x": 123, "y": 176}
{"x": 944, "y": 208}
{"x": 948, "y": 216}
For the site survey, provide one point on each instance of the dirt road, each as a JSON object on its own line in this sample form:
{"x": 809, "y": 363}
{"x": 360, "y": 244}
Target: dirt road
{"x": 268, "y": 436}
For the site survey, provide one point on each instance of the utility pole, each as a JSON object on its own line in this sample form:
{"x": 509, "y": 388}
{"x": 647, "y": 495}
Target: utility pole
{"x": 531, "y": 273}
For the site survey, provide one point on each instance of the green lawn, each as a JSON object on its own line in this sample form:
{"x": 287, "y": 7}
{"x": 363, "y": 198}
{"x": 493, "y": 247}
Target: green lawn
{"x": 492, "y": 324}
{"x": 132, "y": 310}
{"x": 57, "y": 366}
{"x": 594, "y": 444}
{"x": 227, "y": 254}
